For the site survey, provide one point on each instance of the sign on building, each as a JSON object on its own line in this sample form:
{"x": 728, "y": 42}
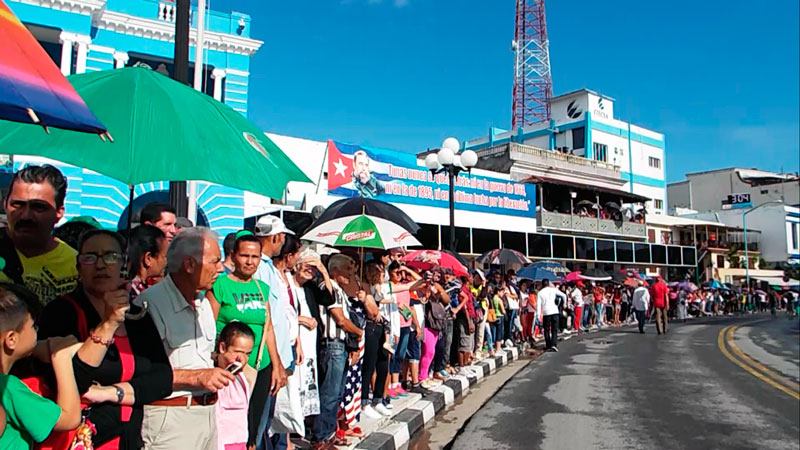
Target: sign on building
{"x": 737, "y": 201}
{"x": 396, "y": 177}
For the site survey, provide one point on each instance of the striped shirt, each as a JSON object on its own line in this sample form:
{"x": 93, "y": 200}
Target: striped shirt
{"x": 332, "y": 330}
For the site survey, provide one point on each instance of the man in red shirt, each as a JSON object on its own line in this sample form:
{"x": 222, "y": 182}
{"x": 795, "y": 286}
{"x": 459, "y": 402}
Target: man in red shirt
{"x": 465, "y": 316}
{"x": 659, "y": 293}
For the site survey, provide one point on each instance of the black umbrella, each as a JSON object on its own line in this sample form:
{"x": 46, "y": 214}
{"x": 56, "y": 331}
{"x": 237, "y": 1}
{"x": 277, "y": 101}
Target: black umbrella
{"x": 612, "y": 205}
{"x": 503, "y": 256}
{"x": 375, "y": 208}
{"x": 586, "y": 203}
{"x": 618, "y": 277}
{"x": 595, "y": 274}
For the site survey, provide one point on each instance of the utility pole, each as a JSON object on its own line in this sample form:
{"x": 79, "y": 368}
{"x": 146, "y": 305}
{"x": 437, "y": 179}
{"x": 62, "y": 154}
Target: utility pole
{"x": 177, "y": 189}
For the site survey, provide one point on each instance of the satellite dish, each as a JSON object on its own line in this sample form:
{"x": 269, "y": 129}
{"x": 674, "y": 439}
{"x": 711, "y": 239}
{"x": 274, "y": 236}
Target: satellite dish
{"x": 317, "y": 211}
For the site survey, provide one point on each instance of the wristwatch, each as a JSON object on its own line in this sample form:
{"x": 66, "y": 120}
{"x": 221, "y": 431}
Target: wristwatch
{"x": 120, "y": 393}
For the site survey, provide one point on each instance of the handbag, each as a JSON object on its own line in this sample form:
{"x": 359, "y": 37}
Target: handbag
{"x": 491, "y": 315}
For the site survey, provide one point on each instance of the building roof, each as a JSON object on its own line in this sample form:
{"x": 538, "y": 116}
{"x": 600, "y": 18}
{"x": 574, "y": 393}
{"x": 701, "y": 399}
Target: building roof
{"x": 580, "y": 91}
{"x": 625, "y": 195}
{"x": 675, "y": 221}
{"x": 746, "y": 173}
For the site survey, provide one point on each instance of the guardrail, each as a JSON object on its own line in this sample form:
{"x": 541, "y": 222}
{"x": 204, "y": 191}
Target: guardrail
{"x": 571, "y": 222}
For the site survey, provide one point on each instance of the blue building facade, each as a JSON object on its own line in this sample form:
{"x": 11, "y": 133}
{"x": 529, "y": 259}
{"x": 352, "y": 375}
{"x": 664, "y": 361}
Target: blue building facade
{"x": 91, "y": 35}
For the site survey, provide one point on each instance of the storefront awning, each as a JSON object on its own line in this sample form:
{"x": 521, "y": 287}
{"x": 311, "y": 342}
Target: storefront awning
{"x": 627, "y": 197}
{"x": 778, "y": 281}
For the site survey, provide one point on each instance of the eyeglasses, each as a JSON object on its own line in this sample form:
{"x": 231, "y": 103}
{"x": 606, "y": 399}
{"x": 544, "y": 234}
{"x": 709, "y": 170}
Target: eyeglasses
{"x": 87, "y": 259}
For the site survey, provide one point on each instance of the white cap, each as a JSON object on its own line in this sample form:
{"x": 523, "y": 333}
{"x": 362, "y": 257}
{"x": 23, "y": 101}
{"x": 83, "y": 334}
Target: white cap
{"x": 270, "y": 225}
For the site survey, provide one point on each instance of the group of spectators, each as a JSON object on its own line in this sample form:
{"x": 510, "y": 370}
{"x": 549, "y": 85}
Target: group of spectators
{"x": 157, "y": 338}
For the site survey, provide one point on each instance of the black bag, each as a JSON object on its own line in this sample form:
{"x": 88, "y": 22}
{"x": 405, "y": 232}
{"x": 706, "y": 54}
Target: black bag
{"x": 435, "y": 316}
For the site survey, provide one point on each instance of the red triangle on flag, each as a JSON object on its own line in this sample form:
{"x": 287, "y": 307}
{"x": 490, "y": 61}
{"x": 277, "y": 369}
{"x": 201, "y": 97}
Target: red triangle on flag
{"x": 340, "y": 167}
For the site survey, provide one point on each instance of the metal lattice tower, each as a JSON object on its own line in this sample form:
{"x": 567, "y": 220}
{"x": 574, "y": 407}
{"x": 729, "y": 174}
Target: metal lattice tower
{"x": 533, "y": 85}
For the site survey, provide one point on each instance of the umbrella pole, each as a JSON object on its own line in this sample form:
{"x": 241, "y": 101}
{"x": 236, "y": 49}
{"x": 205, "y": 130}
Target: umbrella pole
{"x": 130, "y": 207}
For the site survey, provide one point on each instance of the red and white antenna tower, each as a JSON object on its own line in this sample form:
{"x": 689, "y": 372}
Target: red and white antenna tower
{"x": 533, "y": 85}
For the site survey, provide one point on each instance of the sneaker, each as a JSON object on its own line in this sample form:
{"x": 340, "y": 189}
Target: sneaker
{"x": 444, "y": 373}
{"x": 555, "y": 349}
{"x": 421, "y": 389}
{"x": 380, "y": 408}
{"x": 400, "y": 391}
{"x": 393, "y": 394}
{"x": 370, "y": 412}
{"x": 387, "y": 403}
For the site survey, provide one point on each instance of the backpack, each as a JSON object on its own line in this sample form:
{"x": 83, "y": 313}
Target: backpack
{"x": 435, "y": 316}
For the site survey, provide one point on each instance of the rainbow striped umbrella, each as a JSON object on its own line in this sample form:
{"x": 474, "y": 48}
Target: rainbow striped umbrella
{"x": 32, "y": 88}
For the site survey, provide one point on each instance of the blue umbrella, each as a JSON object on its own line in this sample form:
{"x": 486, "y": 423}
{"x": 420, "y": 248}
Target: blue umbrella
{"x": 714, "y": 284}
{"x": 544, "y": 270}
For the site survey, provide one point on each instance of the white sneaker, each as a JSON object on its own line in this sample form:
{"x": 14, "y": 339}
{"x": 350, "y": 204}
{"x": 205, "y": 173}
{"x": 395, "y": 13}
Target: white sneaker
{"x": 370, "y": 412}
{"x": 380, "y": 408}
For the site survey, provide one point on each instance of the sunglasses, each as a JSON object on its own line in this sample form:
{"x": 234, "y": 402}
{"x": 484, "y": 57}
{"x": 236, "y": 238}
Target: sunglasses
{"x": 87, "y": 259}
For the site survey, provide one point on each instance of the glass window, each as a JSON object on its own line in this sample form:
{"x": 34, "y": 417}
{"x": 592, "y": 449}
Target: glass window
{"x": 578, "y": 138}
{"x": 624, "y": 251}
{"x": 659, "y": 254}
{"x": 688, "y": 256}
{"x": 605, "y": 250}
{"x": 584, "y": 248}
{"x": 428, "y": 235}
{"x": 563, "y": 247}
{"x": 659, "y": 204}
{"x": 642, "y": 253}
{"x": 654, "y": 162}
{"x": 513, "y": 240}
{"x": 795, "y": 234}
{"x": 485, "y": 240}
{"x": 539, "y": 245}
{"x": 462, "y": 238}
{"x": 674, "y": 255}
{"x": 600, "y": 151}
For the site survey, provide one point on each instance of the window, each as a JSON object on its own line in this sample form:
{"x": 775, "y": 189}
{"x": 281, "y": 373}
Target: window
{"x": 764, "y": 191}
{"x": 600, "y": 152}
{"x": 794, "y": 234}
{"x": 578, "y": 138}
{"x": 658, "y": 204}
{"x": 654, "y": 162}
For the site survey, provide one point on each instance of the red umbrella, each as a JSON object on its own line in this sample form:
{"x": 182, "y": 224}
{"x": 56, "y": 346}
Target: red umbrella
{"x": 429, "y": 259}
{"x": 32, "y": 88}
{"x": 573, "y": 277}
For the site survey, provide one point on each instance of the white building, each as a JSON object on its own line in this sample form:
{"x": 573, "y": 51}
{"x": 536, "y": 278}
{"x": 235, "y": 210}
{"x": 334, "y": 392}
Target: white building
{"x": 585, "y": 143}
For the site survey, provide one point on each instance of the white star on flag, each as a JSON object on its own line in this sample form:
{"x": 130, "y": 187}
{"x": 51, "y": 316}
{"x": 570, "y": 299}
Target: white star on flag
{"x": 340, "y": 167}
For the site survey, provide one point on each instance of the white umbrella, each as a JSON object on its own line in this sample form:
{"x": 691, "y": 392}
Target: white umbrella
{"x": 361, "y": 231}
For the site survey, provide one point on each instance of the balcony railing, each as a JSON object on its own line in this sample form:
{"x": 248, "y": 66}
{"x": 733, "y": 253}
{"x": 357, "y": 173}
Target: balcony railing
{"x": 168, "y": 10}
{"x": 558, "y": 156}
{"x": 592, "y": 225}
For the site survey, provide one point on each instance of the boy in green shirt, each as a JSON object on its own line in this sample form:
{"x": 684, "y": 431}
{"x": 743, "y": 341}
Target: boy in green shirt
{"x": 31, "y": 418}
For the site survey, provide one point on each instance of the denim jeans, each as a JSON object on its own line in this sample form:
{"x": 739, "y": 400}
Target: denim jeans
{"x": 551, "y": 330}
{"x": 487, "y": 335}
{"x": 600, "y": 316}
{"x": 640, "y": 317}
{"x": 333, "y": 360}
{"x": 400, "y": 351}
{"x": 498, "y": 329}
{"x": 509, "y": 324}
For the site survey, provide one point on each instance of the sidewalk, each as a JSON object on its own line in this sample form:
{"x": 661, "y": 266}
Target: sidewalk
{"x": 413, "y": 412}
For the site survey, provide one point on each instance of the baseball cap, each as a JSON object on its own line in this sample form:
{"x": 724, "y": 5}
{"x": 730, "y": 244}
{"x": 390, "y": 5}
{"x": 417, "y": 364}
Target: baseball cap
{"x": 270, "y": 225}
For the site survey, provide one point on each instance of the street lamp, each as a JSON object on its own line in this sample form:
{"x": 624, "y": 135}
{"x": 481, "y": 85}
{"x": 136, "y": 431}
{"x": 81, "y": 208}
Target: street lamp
{"x": 448, "y": 160}
{"x": 744, "y": 228}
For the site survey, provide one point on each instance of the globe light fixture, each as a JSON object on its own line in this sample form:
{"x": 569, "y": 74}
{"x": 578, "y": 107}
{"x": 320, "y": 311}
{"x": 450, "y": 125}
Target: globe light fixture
{"x": 449, "y": 160}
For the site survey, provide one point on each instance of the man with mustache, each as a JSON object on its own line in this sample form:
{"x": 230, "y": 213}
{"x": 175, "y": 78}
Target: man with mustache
{"x": 30, "y": 254}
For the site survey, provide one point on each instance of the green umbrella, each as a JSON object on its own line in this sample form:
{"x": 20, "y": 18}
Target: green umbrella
{"x": 163, "y": 130}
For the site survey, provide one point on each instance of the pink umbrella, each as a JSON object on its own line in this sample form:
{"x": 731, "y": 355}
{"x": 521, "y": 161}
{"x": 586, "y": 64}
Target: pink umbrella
{"x": 429, "y": 259}
{"x": 573, "y": 277}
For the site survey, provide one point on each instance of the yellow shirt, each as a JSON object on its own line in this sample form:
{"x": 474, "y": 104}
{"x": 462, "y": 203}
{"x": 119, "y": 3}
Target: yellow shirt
{"x": 49, "y": 275}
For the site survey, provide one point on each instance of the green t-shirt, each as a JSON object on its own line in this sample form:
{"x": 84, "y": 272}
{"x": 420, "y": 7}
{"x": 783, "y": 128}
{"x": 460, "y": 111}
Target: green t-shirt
{"x": 243, "y": 302}
{"x": 29, "y": 417}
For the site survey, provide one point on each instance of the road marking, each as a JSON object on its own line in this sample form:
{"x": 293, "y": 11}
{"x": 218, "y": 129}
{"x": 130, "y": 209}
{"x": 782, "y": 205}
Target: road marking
{"x": 757, "y": 365}
{"x": 726, "y": 334}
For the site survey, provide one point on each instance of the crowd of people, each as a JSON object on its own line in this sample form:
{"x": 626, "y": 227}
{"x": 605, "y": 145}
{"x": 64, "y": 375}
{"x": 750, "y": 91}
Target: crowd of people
{"x": 157, "y": 338}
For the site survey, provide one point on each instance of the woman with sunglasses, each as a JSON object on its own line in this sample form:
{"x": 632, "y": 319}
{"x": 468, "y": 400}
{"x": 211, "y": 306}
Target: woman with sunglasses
{"x": 121, "y": 365}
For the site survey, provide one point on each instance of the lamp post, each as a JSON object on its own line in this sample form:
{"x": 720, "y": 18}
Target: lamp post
{"x": 449, "y": 161}
{"x": 744, "y": 228}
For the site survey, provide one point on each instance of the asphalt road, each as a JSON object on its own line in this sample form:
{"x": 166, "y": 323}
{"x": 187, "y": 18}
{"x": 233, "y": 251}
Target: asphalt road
{"x": 617, "y": 389}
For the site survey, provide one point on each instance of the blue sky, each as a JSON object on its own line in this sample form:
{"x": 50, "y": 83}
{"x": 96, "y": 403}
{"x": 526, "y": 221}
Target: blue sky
{"x": 719, "y": 79}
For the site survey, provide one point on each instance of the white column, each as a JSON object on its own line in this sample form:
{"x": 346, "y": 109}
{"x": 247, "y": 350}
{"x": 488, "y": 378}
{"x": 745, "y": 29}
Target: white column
{"x": 198, "y": 46}
{"x": 80, "y": 61}
{"x": 66, "y": 39}
{"x": 120, "y": 59}
{"x": 217, "y": 75}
